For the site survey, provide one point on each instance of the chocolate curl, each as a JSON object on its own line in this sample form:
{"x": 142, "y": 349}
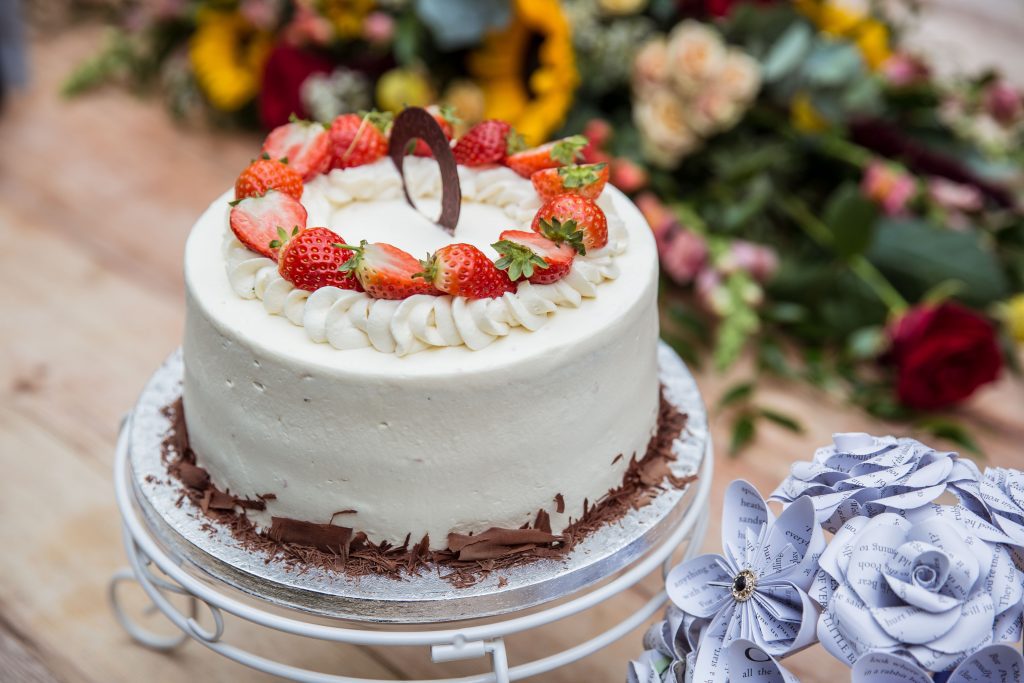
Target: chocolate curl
{"x": 417, "y": 123}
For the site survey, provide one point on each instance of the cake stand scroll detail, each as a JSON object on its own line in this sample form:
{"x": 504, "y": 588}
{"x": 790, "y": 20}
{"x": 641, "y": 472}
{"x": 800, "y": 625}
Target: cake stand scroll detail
{"x": 147, "y": 551}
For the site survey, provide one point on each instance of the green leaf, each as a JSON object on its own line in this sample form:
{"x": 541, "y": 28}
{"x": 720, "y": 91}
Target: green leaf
{"x": 917, "y": 256}
{"x": 783, "y": 420}
{"x": 851, "y": 218}
{"x": 787, "y": 53}
{"x": 735, "y": 394}
{"x": 866, "y": 343}
{"x": 744, "y": 429}
{"x": 951, "y": 430}
{"x": 832, "y": 64}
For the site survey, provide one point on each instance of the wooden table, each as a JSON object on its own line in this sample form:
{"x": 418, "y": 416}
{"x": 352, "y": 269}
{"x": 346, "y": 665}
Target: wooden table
{"x": 96, "y": 198}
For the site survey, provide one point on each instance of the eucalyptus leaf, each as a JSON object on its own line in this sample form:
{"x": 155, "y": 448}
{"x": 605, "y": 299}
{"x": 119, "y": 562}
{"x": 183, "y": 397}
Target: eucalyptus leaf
{"x": 865, "y": 343}
{"x": 832, "y": 64}
{"x": 917, "y": 257}
{"x": 735, "y": 394}
{"x": 787, "y": 52}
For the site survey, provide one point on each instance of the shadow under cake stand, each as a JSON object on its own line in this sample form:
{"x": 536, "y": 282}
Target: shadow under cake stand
{"x": 208, "y": 566}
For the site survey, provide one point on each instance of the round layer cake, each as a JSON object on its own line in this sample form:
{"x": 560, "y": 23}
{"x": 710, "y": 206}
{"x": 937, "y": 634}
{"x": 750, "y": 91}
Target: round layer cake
{"x": 430, "y": 415}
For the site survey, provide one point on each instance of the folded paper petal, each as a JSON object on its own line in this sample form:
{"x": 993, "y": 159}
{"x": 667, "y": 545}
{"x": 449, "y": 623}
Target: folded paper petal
{"x": 700, "y": 586}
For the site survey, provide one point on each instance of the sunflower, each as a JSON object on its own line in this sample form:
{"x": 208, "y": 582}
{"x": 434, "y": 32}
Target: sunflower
{"x": 347, "y": 16}
{"x": 527, "y": 71}
{"x": 227, "y": 55}
{"x": 869, "y": 34}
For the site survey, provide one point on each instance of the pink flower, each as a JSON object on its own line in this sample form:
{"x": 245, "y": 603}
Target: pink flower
{"x": 627, "y": 175}
{"x": 954, "y": 196}
{"x": 903, "y": 69}
{"x": 308, "y": 27}
{"x": 758, "y": 260}
{"x": 655, "y": 213}
{"x": 1003, "y": 102}
{"x": 889, "y": 186}
{"x": 261, "y": 13}
{"x": 378, "y": 27}
{"x": 683, "y": 254}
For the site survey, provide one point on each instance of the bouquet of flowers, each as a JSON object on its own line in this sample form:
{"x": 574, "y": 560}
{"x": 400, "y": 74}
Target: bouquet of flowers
{"x": 905, "y": 588}
{"x": 821, "y": 201}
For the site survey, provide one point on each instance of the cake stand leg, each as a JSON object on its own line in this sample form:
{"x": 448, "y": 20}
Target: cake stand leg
{"x": 141, "y": 635}
{"x": 461, "y": 649}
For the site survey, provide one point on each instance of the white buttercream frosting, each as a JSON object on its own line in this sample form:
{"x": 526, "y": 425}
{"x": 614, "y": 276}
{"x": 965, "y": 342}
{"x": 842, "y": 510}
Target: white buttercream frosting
{"x": 346, "y": 319}
{"x": 450, "y": 439}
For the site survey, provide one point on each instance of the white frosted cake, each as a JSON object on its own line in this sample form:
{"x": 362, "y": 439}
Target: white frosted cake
{"x": 434, "y": 414}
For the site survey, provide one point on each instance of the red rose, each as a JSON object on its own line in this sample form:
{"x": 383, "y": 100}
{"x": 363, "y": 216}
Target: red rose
{"x": 942, "y": 354}
{"x": 286, "y": 69}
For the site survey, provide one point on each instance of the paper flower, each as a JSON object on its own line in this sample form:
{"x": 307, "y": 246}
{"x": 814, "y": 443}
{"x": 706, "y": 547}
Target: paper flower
{"x": 669, "y": 649}
{"x": 992, "y": 663}
{"x": 1003, "y": 493}
{"x": 757, "y": 588}
{"x": 866, "y": 475}
{"x": 931, "y": 589}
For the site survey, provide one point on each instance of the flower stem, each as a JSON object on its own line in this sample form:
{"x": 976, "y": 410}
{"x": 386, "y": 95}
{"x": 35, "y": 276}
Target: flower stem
{"x": 861, "y": 267}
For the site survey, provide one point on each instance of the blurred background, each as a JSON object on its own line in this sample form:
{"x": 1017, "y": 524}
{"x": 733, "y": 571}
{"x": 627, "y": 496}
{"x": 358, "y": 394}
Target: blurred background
{"x": 835, "y": 188}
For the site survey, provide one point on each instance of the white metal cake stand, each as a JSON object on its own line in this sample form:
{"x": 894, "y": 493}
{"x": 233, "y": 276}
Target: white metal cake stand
{"x": 207, "y": 565}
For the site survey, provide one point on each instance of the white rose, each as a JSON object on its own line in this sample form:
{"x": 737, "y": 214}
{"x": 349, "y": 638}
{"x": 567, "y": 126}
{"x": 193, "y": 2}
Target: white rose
{"x": 650, "y": 66}
{"x": 740, "y": 76}
{"x": 696, "y": 55}
{"x": 665, "y": 135}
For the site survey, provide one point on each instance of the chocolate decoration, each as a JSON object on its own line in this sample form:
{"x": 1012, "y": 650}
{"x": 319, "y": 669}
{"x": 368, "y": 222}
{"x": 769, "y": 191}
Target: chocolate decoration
{"x": 416, "y": 123}
{"x": 468, "y": 558}
{"x": 559, "y": 503}
{"x": 325, "y": 537}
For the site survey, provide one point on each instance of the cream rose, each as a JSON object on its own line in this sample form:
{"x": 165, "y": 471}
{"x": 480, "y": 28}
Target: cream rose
{"x": 650, "y": 67}
{"x": 696, "y": 55}
{"x": 665, "y": 135}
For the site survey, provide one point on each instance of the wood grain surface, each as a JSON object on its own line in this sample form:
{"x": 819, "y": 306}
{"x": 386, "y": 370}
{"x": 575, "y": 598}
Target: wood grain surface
{"x": 96, "y": 198}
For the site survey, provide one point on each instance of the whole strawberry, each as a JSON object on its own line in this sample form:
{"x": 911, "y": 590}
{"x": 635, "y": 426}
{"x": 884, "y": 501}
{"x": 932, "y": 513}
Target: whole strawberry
{"x": 265, "y": 174}
{"x": 385, "y": 271}
{"x": 357, "y": 140}
{"x": 551, "y": 155}
{"x": 463, "y": 270}
{"x": 488, "y": 142}
{"x": 445, "y": 117}
{"x": 533, "y": 257}
{"x": 586, "y": 180}
{"x": 256, "y": 220}
{"x": 565, "y": 214}
{"x": 305, "y": 145}
{"x": 312, "y": 258}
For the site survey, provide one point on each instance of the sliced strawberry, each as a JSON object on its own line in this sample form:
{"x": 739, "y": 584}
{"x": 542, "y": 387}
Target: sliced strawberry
{"x": 550, "y": 155}
{"x": 488, "y": 142}
{"x": 463, "y": 270}
{"x": 305, "y": 145}
{"x": 265, "y": 174}
{"x": 385, "y": 271}
{"x": 312, "y": 258}
{"x": 573, "y": 214}
{"x": 357, "y": 140}
{"x": 527, "y": 255}
{"x": 587, "y": 180}
{"x": 445, "y": 117}
{"x": 255, "y": 220}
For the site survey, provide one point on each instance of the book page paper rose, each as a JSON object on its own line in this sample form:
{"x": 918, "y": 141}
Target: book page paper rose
{"x": 756, "y": 589}
{"x": 931, "y": 590}
{"x": 992, "y": 663}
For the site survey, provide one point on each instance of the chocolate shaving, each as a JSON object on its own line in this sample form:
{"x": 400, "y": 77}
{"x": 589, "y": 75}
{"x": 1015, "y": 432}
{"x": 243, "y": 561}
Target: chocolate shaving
{"x": 192, "y": 476}
{"x": 468, "y": 558}
{"x": 326, "y": 537}
{"x": 416, "y": 123}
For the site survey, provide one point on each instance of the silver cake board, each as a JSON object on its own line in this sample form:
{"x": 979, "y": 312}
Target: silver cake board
{"x": 171, "y": 552}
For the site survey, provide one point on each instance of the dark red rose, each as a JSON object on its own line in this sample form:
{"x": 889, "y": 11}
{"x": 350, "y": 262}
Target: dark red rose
{"x": 942, "y": 354}
{"x": 286, "y": 69}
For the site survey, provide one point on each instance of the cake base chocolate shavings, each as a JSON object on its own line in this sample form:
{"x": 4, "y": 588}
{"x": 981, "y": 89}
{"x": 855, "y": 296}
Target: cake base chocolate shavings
{"x": 467, "y": 558}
